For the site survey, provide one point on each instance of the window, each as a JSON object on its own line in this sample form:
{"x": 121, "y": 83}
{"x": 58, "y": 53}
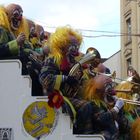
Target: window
{"x": 128, "y": 62}
{"x": 128, "y": 24}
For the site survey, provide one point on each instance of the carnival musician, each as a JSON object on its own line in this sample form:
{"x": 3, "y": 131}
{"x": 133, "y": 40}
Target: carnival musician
{"x": 64, "y": 45}
{"x": 107, "y": 116}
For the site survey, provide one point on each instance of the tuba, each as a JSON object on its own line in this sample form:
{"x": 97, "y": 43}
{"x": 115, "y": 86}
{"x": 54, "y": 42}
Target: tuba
{"x": 92, "y": 57}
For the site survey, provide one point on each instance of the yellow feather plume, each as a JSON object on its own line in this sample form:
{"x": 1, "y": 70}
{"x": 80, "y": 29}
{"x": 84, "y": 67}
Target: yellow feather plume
{"x": 23, "y": 28}
{"x": 60, "y": 40}
{"x": 135, "y": 130}
{"x": 4, "y": 22}
{"x": 90, "y": 92}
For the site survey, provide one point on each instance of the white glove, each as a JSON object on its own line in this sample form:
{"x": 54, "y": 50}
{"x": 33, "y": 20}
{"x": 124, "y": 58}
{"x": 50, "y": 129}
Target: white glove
{"x": 118, "y": 105}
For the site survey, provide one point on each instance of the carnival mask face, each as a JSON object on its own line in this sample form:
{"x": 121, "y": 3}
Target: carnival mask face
{"x": 32, "y": 32}
{"x": 109, "y": 89}
{"x": 73, "y": 47}
{"x": 73, "y": 50}
{"x": 16, "y": 18}
{"x": 109, "y": 92}
{"x": 42, "y": 35}
{"x": 104, "y": 86}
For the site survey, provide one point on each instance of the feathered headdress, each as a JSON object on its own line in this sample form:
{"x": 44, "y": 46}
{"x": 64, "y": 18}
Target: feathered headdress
{"x": 4, "y": 22}
{"x": 60, "y": 40}
{"x": 23, "y": 26}
{"x": 94, "y": 89}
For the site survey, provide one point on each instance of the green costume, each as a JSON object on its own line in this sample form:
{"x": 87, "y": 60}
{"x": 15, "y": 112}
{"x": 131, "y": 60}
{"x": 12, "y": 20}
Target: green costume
{"x": 8, "y": 44}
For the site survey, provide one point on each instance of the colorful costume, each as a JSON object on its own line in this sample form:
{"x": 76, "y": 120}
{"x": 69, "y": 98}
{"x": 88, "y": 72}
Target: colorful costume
{"x": 8, "y": 44}
{"x": 130, "y": 89}
{"x": 61, "y": 58}
{"x": 64, "y": 44}
{"x": 54, "y": 77}
{"x": 12, "y": 24}
{"x": 106, "y": 120}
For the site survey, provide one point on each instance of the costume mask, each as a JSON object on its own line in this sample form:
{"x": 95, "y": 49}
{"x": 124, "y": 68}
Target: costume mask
{"x": 73, "y": 50}
{"x": 104, "y": 87}
{"x": 109, "y": 91}
{"x": 14, "y": 13}
{"x": 40, "y": 32}
{"x": 42, "y": 35}
{"x": 73, "y": 47}
{"x": 32, "y": 28}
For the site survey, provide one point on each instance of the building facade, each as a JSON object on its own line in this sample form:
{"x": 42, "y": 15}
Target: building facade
{"x": 114, "y": 63}
{"x": 130, "y": 31}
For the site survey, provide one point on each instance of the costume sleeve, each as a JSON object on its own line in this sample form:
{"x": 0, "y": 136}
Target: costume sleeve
{"x": 104, "y": 116}
{"x": 50, "y": 73}
{"x": 7, "y": 47}
{"x": 124, "y": 122}
{"x": 13, "y": 47}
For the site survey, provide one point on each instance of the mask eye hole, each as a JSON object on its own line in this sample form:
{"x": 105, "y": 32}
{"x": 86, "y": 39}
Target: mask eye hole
{"x": 32, "y": 29}
{"x": 108, "y": 88}
{"x": 73, "y": 47}
{"x": 17, "y": 14}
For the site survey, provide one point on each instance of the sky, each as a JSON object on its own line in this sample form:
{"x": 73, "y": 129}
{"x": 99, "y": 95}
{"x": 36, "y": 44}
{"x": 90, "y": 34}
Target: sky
{"x": 97, "y": 20}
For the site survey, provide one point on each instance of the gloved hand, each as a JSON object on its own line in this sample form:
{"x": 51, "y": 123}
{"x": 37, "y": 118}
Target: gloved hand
{"x": 20, "y": 39}
{"x": 71, "y": 80}
{"x": 118, "y": 105}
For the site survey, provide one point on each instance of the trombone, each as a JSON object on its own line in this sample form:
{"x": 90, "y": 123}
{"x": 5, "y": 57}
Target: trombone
{"x": 113, "y": 76}
{"x": 131, "y": 102}
{"x": 90, "y": 56}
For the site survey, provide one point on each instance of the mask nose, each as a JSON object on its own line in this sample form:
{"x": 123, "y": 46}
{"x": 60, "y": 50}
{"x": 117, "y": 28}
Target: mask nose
{"x": 19, "y": 18}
